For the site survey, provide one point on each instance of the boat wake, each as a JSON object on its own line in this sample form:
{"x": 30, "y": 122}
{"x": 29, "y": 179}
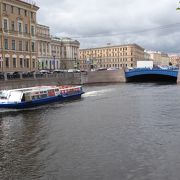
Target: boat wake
{"x": 97, "y": 93}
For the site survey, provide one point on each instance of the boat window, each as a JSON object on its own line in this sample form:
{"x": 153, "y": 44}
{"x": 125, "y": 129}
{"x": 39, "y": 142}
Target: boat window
{"x": 3, "y": 95}
{"x": 27, "y": 97}
{"x": 35, "y": 97}
{"x": 23, "y": 98}
{"x": 51, "y": 92}
{"x": 43, "y": 96}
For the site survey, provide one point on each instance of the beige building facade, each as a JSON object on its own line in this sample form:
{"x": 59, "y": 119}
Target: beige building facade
{"x": 18, "y": 45}
{"x": 175, "y": 60}
{"x": 56, "y": 53}
{"x": 44, "y": 47}
{"x": 70, "y": 53}
{"x": 159, "y": 58}
{"x": 119, "y": 56}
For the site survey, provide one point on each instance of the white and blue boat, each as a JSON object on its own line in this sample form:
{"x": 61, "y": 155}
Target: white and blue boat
{"x": 38, "y": 95}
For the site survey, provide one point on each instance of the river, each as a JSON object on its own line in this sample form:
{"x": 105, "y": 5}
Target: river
{"x": 115, "y": 132}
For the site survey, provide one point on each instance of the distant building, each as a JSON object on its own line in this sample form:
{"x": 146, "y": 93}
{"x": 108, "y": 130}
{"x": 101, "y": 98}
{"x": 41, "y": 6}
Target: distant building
{"x": 117, "y": 56}
{"x": 54, "y": 52}
{"x": 175, "y": 60}
{"x": 44, "y": 47}
{"x": 147, "y": 56}
{"x": 69, "y": 53}
{"x": 65, "y": 52}
{"x": 159, "y": 58}
{"x": 18, "y": 45}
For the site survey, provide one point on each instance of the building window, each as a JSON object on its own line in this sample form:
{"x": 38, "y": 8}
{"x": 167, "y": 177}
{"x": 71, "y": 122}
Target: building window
{"x": 19, "y": 11}
{"x": 32, "y": 30}
{"x": 7, "y": 62}
{"x": 26, "y": 28}
{"x": 14, "y": 63}
{"x": 33, "y": 47}
{"x": 32, "y": 14}
{"x": 12, "y": 26}
{"x": 26, "y": 46}
{"x": 25, "y": 12}
{"x": 33, "y": 63}
{"x": 12, "y": 9}
{"x": 4, "y": 7}
{"x": 6, "y": 44}
{"x": 21, "y": 62}
{"x": 27, "y": 63}
{"x": 20, "y": 45}
{"x": 20, "y": 27}
{"x": 5, "y": 24}
{"x": 13, "y": 45}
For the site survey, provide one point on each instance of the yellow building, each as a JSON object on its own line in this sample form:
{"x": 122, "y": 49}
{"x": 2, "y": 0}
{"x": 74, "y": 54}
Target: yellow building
{"x": 18, "y": 46}
{"x": 118, "y": 56}
{"x": 175, "y": 60}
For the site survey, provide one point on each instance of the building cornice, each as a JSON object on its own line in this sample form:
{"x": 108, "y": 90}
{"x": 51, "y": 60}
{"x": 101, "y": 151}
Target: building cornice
{"x": 20, "y": 3}
{"x": 114, "y": 46}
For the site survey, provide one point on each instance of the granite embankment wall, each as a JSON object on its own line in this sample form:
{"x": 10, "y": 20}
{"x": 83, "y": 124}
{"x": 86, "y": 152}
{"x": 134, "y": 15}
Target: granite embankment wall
{"x": 51, "y": 79}
{"x": 66, "y": 78}
{"x": 116, "y": 76}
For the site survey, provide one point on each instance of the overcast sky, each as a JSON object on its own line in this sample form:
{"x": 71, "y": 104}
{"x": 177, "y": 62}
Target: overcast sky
{"x": 152, "y": 24}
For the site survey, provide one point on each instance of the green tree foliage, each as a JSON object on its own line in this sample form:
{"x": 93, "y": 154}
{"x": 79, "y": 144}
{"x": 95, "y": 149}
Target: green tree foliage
{"x": 178, "y": 7}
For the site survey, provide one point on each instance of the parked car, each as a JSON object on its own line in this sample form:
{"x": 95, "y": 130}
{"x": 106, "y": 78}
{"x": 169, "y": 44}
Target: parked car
{"x": 102, "y": 69}
{"x": 27, "y": 74}
{"x": 1, "y": 75}
{"x": 16, "y": 74}
{"x": 112, "y": 68}
{"x": 59, "y": 71}
{"x": 45, "y": 72}
{"x": 74, "y": 70}
{"x": 10, "y": 75}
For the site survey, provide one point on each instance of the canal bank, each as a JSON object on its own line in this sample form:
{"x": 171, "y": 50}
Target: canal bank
{"x": 93, "y": 77}
{"x": 117, "y": 76}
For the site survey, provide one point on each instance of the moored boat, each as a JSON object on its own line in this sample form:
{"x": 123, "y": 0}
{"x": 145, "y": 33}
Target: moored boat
{"x": 38, "y": 95}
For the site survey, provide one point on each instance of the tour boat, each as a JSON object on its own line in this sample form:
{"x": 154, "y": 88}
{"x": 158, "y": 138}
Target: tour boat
{"x": 38, "y": 95}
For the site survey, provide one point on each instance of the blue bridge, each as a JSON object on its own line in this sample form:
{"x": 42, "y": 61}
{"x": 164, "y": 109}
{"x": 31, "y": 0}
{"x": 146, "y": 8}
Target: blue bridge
{"x": 155, "y": 74}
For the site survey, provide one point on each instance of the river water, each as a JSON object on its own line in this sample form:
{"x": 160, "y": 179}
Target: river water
{"x": 115, "y": 132}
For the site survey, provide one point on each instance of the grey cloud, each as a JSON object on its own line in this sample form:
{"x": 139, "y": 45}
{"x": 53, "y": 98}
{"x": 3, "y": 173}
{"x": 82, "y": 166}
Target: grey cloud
{"x": 127, "y": 19}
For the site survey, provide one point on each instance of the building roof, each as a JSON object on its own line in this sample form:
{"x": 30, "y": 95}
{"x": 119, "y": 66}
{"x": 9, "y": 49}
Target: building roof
{"x": 40, "y": 25}
{"x": 29, "y": 2}
{"x": 113, "y": 46}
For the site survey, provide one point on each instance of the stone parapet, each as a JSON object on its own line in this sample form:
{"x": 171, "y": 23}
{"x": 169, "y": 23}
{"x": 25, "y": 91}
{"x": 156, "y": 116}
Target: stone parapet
{"x": 116, "y": 76}
{"x": 104, "y": 76}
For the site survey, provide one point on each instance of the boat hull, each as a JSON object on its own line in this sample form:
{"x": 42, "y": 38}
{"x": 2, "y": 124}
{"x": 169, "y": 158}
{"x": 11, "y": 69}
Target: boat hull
{"x": 39, "y": 102}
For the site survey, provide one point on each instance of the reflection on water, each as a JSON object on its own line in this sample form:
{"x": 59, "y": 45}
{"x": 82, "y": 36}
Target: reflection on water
{"x": 120, "y": 131}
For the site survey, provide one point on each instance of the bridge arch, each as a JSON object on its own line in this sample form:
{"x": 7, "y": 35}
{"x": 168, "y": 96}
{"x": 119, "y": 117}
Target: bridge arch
{"x": 151, "y": 75}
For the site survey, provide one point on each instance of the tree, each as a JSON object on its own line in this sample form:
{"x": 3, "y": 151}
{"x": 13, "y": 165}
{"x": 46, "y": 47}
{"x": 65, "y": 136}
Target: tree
{"x": 178, "y": 7}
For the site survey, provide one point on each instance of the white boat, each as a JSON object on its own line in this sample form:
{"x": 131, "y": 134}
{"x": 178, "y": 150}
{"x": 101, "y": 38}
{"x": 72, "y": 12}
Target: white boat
{"x": 38, "y": 95}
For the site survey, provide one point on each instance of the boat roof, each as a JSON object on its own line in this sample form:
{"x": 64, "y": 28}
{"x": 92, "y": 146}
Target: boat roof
{"x": 32, "y": 89}
{"x": 36, "y": 88}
